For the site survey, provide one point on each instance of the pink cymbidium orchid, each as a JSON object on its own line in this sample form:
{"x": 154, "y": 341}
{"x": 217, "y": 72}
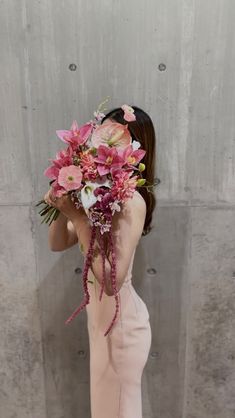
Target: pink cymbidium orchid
{"x": 131, "y": 157}
{"x": 76, "y": 136}
{"x": 111, "y": 134}
{"x": 107, "y": 158}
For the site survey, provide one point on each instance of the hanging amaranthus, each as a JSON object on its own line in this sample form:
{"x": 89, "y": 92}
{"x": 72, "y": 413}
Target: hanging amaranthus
{"x": 87, "y": 265}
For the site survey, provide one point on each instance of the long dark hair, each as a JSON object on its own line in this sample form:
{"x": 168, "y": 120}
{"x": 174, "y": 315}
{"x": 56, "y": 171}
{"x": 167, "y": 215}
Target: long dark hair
{"x": 142, "y": 130}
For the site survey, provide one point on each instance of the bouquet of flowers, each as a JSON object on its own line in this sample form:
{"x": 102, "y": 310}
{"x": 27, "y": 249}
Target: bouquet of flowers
{"x": 100, "y": 169}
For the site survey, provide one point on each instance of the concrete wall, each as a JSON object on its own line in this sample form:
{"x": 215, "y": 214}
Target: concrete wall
{"x": 174, "y": 58}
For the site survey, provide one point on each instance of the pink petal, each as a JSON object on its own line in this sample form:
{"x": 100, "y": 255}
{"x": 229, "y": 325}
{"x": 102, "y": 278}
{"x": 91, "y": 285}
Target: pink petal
{"x": 52, "y": 172}
{"x": 127, "y": 151}
{"x": 103, "y": 152}
{"x": 63, "y": 177}
{"x": 139, "y": 154}
{"x": 64, "y": 135}
{"x": 85, "y": 130}
{"x": 74, "y": 126}
{"x": 129, "y": 116}
{"x": 102, "y": 169}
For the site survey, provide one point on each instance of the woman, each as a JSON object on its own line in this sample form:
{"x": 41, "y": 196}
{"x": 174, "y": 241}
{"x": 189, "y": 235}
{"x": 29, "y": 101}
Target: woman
{"x": 117, "y": 360}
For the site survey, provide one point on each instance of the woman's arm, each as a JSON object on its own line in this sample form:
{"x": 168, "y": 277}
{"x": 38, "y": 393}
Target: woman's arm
{"x": 61, "y": 234}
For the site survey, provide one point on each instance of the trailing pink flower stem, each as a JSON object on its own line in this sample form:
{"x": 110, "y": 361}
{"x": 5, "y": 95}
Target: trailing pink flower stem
{"x": 113, "y": 279}
{"x": 101, "y": 243}
{"x": 88, "y": 262}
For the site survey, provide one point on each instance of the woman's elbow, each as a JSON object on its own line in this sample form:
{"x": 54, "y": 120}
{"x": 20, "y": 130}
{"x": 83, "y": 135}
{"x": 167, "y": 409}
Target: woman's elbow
{"x": 56, "y": 247}
{"x": 120, "y": 278}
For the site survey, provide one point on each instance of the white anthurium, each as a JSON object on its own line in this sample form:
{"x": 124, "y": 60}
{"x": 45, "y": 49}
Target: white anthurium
{"x": 87, "y": 192}
{"x": 135, "y": 144}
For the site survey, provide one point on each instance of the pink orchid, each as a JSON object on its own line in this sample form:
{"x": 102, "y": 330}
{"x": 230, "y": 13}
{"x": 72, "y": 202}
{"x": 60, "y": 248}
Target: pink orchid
{"x": 111, "y": 134}
{"x": 70, "y": 178}
{"x": 107, "y": 158}
{"x": 64, "y": 153}
{"x": 128, "y": 113}
{"x": 130, "y": 156}
{"x": 57, "y": 189}
{"x": 76, "y": 136}
{"x": 63, "y": 158}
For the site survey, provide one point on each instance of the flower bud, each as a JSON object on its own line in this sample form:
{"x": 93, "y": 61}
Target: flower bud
{"x": 140, "y": 182}
{"x": 141, "y": 166}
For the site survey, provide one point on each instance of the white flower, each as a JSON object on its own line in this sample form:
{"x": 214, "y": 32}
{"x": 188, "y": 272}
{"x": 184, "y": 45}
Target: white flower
{"x": 114, "y": 206}
{"x": 99, "y": 115}
{"x": 135, "y": 144}
{"x": 87, "y": 192}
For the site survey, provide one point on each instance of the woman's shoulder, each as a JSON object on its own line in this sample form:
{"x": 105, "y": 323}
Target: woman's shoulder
{"x": 138, "y": 198}
{"x": 135, "y": 205}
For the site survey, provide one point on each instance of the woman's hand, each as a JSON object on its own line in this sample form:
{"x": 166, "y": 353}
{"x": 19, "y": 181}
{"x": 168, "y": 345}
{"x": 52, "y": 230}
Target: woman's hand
{"x": 64, "y": 204}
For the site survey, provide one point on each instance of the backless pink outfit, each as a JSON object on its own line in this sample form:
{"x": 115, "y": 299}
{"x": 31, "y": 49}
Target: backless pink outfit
{"x": 117, "y": 360}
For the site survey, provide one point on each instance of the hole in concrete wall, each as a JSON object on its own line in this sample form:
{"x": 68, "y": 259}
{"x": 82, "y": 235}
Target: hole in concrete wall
{"x": 154, "y": 354}
{"x": 162, "y": 67}
{"x": 72, "y": 67}
{"x": 81, "y": 353}
{"x": 152, "y": 271}
{"x": 156, "y": 181}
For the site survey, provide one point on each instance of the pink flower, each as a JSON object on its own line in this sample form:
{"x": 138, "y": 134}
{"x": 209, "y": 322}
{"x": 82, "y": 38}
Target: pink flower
{"x": 64, "y": 154}
{"x": 128, "y": 113}
{"x": 123, "y": 184}
{"x": 111, "y": 134}
{"x": 76, "y": 136}
{"x": 70, "y": 178}
{"x": 86, "y": 158}
{"x": 57, "y": 189}
{"x": 88, "y": 165}
{"x": 107, "y": 158}
{"x": 130, "y": 156}
{"x": 63, "y": 158}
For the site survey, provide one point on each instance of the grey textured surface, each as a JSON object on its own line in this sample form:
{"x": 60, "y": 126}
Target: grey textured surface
{"x": 174, "y": 58}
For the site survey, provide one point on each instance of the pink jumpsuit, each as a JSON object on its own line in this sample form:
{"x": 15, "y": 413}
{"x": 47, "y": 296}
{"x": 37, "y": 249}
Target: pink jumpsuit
{"x": 117, "y": 360}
